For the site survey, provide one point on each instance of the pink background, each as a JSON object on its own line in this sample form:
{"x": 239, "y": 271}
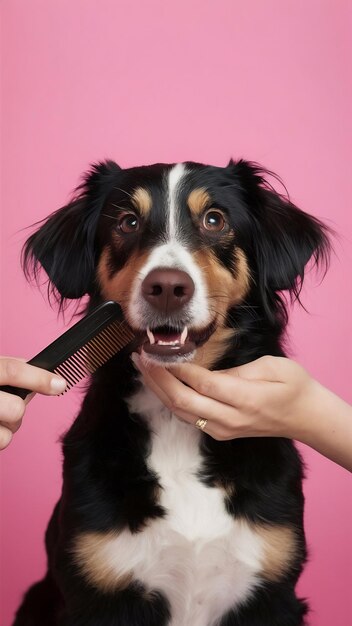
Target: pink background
{"x": 146, "y": 81}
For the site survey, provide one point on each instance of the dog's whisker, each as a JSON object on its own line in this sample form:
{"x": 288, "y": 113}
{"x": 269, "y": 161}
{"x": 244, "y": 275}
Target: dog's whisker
{"x": 218, "y": 296}
{"x": 124, "y": 191}
{"x": 118, "y": 206}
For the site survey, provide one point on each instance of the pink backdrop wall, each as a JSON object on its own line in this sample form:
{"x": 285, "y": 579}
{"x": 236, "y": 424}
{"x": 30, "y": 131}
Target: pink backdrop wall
{"x": 154, "y": 81}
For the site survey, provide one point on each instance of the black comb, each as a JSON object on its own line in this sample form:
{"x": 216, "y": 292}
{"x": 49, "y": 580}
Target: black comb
{"x": 86, "y": 346}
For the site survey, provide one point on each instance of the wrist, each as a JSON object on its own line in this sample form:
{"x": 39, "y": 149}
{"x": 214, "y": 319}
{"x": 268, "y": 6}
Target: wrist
{"x": 326, "y": 425}
{"x": 312, "y": 410}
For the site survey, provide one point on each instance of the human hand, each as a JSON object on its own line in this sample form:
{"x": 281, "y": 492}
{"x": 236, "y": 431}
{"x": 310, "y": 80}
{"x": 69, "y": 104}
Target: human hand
{"x": 17, "y": 373}
{"x": 270, "y": 397}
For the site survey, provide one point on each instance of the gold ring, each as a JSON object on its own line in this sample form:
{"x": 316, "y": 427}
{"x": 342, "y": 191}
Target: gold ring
{"x": 201, "y": 423}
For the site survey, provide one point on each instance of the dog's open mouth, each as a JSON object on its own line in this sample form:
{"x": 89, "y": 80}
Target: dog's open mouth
{"x": 170, "y": 341}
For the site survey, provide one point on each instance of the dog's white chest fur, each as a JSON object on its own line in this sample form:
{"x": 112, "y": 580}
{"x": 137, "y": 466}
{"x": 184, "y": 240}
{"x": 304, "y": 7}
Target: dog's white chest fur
{"x": 203, "y": 560}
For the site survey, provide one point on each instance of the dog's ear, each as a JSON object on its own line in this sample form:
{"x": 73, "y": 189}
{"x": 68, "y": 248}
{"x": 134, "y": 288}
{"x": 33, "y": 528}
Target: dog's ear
{"x": 285, "y": 238}
{"x": 64, "y": 245}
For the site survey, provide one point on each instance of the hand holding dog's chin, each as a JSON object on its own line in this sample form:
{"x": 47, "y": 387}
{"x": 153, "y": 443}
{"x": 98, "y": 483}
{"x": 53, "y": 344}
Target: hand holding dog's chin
{"x": 270, "y": 397}
{"x": 260, "y": 399}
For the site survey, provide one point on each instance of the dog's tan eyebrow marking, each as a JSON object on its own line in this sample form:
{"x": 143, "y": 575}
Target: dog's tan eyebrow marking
{"x": 142, "y": 200}
{"x": 198, "y": 200}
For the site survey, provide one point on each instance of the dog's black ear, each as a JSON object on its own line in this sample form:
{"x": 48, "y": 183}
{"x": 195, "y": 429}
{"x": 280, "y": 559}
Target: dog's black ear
{"x": 285, "y": 238}
{"x": 64, "y": 245}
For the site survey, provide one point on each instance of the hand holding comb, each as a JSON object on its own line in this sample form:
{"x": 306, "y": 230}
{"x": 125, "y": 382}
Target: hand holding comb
{"x": 83, "y": 348}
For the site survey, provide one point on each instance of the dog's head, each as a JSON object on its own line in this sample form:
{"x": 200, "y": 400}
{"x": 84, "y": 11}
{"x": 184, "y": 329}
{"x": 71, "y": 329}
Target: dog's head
{"x": 179, "y": 247}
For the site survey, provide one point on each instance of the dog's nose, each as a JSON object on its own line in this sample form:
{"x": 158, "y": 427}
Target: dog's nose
{"x": 167, "y": 290}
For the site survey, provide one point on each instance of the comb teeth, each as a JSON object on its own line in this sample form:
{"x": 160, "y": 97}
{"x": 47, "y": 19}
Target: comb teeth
{"x": 94, "y": 353}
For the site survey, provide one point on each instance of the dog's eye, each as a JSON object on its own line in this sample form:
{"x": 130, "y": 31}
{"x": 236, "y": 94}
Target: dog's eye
{"x": 128, "y": 223}
{"x": 213, "y": 220}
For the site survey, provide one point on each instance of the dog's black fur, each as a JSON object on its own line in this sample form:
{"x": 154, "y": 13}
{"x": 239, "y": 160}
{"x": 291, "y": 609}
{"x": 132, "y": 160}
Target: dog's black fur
{"x": 106, "y": 481}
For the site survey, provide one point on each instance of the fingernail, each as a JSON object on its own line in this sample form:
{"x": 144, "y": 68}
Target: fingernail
{"x": 58, "y": 385}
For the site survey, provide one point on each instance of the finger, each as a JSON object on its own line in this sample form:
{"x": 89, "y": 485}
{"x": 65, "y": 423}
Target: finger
{"x": 151, "y": 382}
{"x": 183, "y": 400}
{"x": 29, "y": 398}
{"x": 223, "y": 429}
{"x": 5, "y": 437}
{"x": 12, "y": 426}
{"x": 11, "y": 408}
{"x": 17, "y": 373}
{"x": 266, "y": 368}
{"x": 219, "y": 386}
{"x": 216, "y": 430}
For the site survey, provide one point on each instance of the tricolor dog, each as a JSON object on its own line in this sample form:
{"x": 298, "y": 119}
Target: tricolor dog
{"x": 159, "y": 524}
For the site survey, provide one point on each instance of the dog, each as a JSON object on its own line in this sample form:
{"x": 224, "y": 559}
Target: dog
{"x": 159, "y": 524}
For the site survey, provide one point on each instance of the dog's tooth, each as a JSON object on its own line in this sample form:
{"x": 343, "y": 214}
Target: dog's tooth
{"x": 184, "y": 335}
{"x": 150, "y": 336}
